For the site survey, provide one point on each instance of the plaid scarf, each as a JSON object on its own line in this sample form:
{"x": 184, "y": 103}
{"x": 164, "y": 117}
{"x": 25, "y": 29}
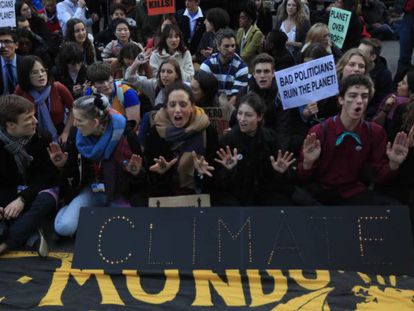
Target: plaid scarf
{"x": 16, "y": 146}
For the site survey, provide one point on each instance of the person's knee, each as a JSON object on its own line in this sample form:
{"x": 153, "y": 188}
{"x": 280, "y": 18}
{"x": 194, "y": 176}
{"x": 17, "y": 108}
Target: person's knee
{"x": 65, "y": 226}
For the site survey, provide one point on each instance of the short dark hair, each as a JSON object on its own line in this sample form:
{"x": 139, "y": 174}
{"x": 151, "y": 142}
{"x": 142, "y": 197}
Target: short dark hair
{"x": 5, "y": 31}
{"x": 11, "y": 106}
{"x": 263, "y": 58}
{"x": 99, "y": 71}
{"x": 118, "y": 21}
{"x": 208, "y": 84}
{"x": 375, "y": 44}
{"x": 130, "y": 51}
{"x": 176, "y": 66}
{"x": 254, "y": 101}
{"x": 314, "y": 51}
{"x": 165, "y": 33}
{"x": 218, "y": 18}
{"x": 179, "y": 85}
{"x": 225, "y": 33}
{"x": 116, "y": 6}
{"x": 249, "y": 8}
{"x": 23, "y": 72}
{"x": 356, "y": 79}
{"x": 70, "y": 53}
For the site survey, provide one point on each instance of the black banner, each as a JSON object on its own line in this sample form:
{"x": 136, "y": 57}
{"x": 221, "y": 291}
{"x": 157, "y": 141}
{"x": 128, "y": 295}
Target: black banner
{"x": 366, "y": 239}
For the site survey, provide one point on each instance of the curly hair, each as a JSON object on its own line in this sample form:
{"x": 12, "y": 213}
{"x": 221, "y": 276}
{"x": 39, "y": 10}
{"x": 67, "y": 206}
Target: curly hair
{"x": 300, "y": 16}
{"x": 87, "y": 45}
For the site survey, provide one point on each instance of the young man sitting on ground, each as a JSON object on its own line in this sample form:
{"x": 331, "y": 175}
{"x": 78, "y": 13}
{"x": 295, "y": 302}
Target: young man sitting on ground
{"x": 336, "y": 151}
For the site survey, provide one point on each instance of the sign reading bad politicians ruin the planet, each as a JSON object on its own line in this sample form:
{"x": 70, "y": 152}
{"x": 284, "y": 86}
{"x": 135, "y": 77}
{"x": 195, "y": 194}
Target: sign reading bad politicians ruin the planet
{"x": 7, "y": 15}
{"x": 158, "y": 7}
{"x": 370, "y": 239}
{"x": 338, "y": 25}
{"x": 308, "y": 82}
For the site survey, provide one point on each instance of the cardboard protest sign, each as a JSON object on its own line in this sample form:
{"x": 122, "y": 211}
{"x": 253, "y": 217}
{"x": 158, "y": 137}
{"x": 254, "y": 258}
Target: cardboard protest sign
{"x": 7, "y": 13}
{"x": 308, "y": 82}
{"x": 158, "y": 7}
{"x": 219, "y": 117}
{"x": 193, "y": 200}
{"x": 338, "y": 25}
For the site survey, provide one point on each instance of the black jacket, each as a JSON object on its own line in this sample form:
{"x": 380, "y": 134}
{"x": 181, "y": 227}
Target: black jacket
{"x": 254, "y": 172}
{"x": 184, "y": 24}
{"x": 78, "y": 171}
{"x": 275, "y": 117}
{"x": 41, "y": 174}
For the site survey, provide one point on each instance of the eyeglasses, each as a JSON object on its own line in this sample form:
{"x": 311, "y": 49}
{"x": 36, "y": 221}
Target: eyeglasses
{"x": 38, "y": 72}
{"x": 7, "y": 42}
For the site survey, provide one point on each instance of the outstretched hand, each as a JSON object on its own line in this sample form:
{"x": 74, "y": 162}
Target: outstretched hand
{"x": 161, "y": 165}
{"x": 57, "y": 156}
{"x": 134, "y": 165}
{"x": 201, "y": 165}
{"x": 311, "y": 150}
{"x": 226, "y": 158}
{"x": 398, "y": 151}
{"x": 282, "y": 163}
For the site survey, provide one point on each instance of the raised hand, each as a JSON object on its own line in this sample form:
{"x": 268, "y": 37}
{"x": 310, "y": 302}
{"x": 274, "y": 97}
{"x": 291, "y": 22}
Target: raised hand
{"x": 282, "y": 163}
{"x": 398, "y": 151}
{"x": 134, "y": 165}
{"x": 161, "y": 165}
{"x": 310, "y": 110}
{"x": 57, "y": 156}
{"x": 311, "y": 150}
{"x": 201, "y": 165}
{"x": 226, "y": 158}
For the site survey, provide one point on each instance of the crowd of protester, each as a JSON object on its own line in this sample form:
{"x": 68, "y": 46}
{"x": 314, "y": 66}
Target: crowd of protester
{"x": 112, "y": 116}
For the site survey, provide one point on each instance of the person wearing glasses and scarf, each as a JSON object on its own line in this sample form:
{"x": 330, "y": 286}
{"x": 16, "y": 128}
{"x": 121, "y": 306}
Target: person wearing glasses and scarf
{"x": 52, "y": 99}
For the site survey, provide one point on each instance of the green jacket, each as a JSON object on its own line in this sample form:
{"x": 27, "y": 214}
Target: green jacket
{"x": 253, "y": 46}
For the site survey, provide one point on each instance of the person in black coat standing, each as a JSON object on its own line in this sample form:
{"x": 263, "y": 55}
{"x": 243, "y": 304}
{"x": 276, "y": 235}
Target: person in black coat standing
{"x": 191, "y": 23}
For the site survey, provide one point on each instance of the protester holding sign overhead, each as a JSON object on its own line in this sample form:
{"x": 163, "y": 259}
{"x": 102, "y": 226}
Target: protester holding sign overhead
{"x": 336, "y": 151}
{"x": 253, "y": 169}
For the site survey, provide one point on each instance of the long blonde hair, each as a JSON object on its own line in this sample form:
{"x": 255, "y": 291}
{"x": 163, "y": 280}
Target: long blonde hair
{"x": 300, "y": 16}
{"x": 343, "y": 61}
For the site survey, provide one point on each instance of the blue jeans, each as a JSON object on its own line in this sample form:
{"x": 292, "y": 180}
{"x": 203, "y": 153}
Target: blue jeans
{"x": 66, "y": 221}
{"x": 406, "y": 46}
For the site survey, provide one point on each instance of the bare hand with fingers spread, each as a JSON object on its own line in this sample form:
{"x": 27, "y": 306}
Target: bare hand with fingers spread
{"x": 161, "y": 165}
{"x": 57, "y": 156}
{"x": 283, "y": 162}
{"x": 201, "y": 165}
{"x": 398, "y": 151}
{"x": 311, "y": 150}
{"x": 226, "y": 158}
{"x": 134, "y": 165}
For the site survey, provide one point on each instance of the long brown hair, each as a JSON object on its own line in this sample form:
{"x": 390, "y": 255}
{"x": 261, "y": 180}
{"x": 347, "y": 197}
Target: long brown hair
{"x": 300, "y": 16}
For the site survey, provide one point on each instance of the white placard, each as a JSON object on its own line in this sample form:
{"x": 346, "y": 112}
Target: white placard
{"x": 308, "y": 82}
{"x": 7, "y": 13}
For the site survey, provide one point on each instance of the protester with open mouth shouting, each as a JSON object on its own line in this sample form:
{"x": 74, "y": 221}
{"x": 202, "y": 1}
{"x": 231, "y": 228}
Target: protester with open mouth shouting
{"x": 336, "y": 151}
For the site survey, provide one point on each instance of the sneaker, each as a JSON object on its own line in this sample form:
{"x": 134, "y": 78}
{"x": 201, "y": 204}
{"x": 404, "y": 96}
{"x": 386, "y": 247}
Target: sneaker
{"x": 41, "y": 245}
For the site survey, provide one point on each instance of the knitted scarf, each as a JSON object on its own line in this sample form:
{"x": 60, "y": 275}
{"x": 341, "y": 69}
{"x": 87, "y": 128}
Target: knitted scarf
{"x": 184, "y": 141}
{"x": 16, "y": 146}
{"x": 101, "y": 148}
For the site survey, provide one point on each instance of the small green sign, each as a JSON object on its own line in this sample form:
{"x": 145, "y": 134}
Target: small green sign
{"x": 338, "y": 25}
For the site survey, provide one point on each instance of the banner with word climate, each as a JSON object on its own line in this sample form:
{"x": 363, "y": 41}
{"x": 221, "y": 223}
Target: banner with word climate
{"x": 308, "y": 82}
